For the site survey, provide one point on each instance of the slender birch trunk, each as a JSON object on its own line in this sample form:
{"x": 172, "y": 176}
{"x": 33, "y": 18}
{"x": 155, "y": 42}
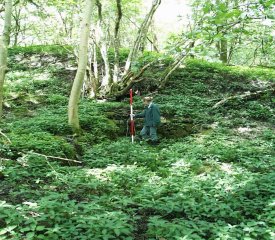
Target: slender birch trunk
{"x": 4, "y": 43}
{"x": 81, "y": 69}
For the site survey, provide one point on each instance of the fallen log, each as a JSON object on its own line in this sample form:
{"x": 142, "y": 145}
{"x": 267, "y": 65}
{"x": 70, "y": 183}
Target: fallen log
{"x": 245, "y": 96}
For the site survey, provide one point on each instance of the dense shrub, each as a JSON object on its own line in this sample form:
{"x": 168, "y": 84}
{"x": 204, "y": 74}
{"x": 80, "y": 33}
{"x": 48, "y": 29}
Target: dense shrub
{"x": 41, "y": 142}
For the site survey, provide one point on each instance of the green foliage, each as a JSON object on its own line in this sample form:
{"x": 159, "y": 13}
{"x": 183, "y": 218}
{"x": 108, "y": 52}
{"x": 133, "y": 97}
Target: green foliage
{"x": 123, "y": 55}
{"x": 49, "y": 120}
{"x": 229, "y": 27}
{"x": 56, "y": 50}
{"x": 93, "y": 120}
{"x": 56, "y": 217}
{"x": 41, "y": 142}
{"x": 215, "y": 184}
{"x": 259, "y": 111}
{"x": 42, "y": 133}
{"x": 39, "y": 82}
{"x": 120, "y": 152}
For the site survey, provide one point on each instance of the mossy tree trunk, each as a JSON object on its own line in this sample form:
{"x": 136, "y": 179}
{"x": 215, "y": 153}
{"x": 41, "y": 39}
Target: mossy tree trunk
{"x": 81, "y": 69}
{"x": 4, "y": 43}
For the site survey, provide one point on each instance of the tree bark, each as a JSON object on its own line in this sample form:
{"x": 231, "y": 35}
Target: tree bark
{"x": 81, "y": 69}
{"x": 4, "y": 43}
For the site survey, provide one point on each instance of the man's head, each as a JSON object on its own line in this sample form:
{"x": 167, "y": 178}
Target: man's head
{"x": 147, "y": 100}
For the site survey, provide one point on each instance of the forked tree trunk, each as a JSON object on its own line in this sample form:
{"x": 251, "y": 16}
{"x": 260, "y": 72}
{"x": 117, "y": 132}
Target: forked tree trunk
{"x": 4, "y": 43}
{"x": 142, "y": 34}
{"x": 81, "y": 69}
{"x": 127, "y": 78}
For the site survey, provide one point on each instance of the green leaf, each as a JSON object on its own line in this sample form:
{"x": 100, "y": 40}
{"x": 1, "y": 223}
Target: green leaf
{"x": 30, "y": 235}
{"x": 117, "y": 231}
{"x": 7, "y": 229}
{"x": 40, "y": 228}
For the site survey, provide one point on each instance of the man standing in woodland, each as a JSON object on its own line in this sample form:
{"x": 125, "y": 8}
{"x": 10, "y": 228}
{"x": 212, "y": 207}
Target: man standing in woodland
{"x": 151, "y": 115}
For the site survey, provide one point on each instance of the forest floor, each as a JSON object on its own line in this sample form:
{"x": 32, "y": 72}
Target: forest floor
{"x": 211, "y": 177}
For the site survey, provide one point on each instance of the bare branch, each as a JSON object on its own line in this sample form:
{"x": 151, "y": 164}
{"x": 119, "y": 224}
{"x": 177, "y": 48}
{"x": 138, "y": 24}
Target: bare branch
{"x": 58, "y": 158}
{"x": 4, "y": 135}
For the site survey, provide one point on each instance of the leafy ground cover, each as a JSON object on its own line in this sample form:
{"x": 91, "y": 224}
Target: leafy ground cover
{"x": 217, "y": 183}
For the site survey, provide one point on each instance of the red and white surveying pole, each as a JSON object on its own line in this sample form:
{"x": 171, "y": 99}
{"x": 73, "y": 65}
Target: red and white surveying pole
{"x": 132, "y": 131}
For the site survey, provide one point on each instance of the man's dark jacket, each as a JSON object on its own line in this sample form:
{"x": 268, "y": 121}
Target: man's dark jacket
{"x": 151, "y": 115}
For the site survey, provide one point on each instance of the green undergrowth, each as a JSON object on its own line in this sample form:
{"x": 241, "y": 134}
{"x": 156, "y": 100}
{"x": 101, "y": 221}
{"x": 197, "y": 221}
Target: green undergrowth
{"x": 46, "y": 129}
{"x": 56, "y": 50}
{"x": 208, "y": 186}
{"x": 198, "y": 86}
{"x": 217, "y": 183}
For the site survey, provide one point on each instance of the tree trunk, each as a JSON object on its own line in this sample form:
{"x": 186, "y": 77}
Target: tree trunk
{"x": 116, "y": 42}
{"x": 106, "y": 79}
{"x": 95, "y": 65}
{"x": 94, "y": 72}
{"x": 223, "y": 50}
{"x": 4, "y": 43}
{"x": 165, "y": 76}
{"x": 142, "y": 34}
{"x": 81, "y": 69}
{"x": 17, "y": 27}
{"x": 101, "y": 39}
{"x": 155, "y": 41}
